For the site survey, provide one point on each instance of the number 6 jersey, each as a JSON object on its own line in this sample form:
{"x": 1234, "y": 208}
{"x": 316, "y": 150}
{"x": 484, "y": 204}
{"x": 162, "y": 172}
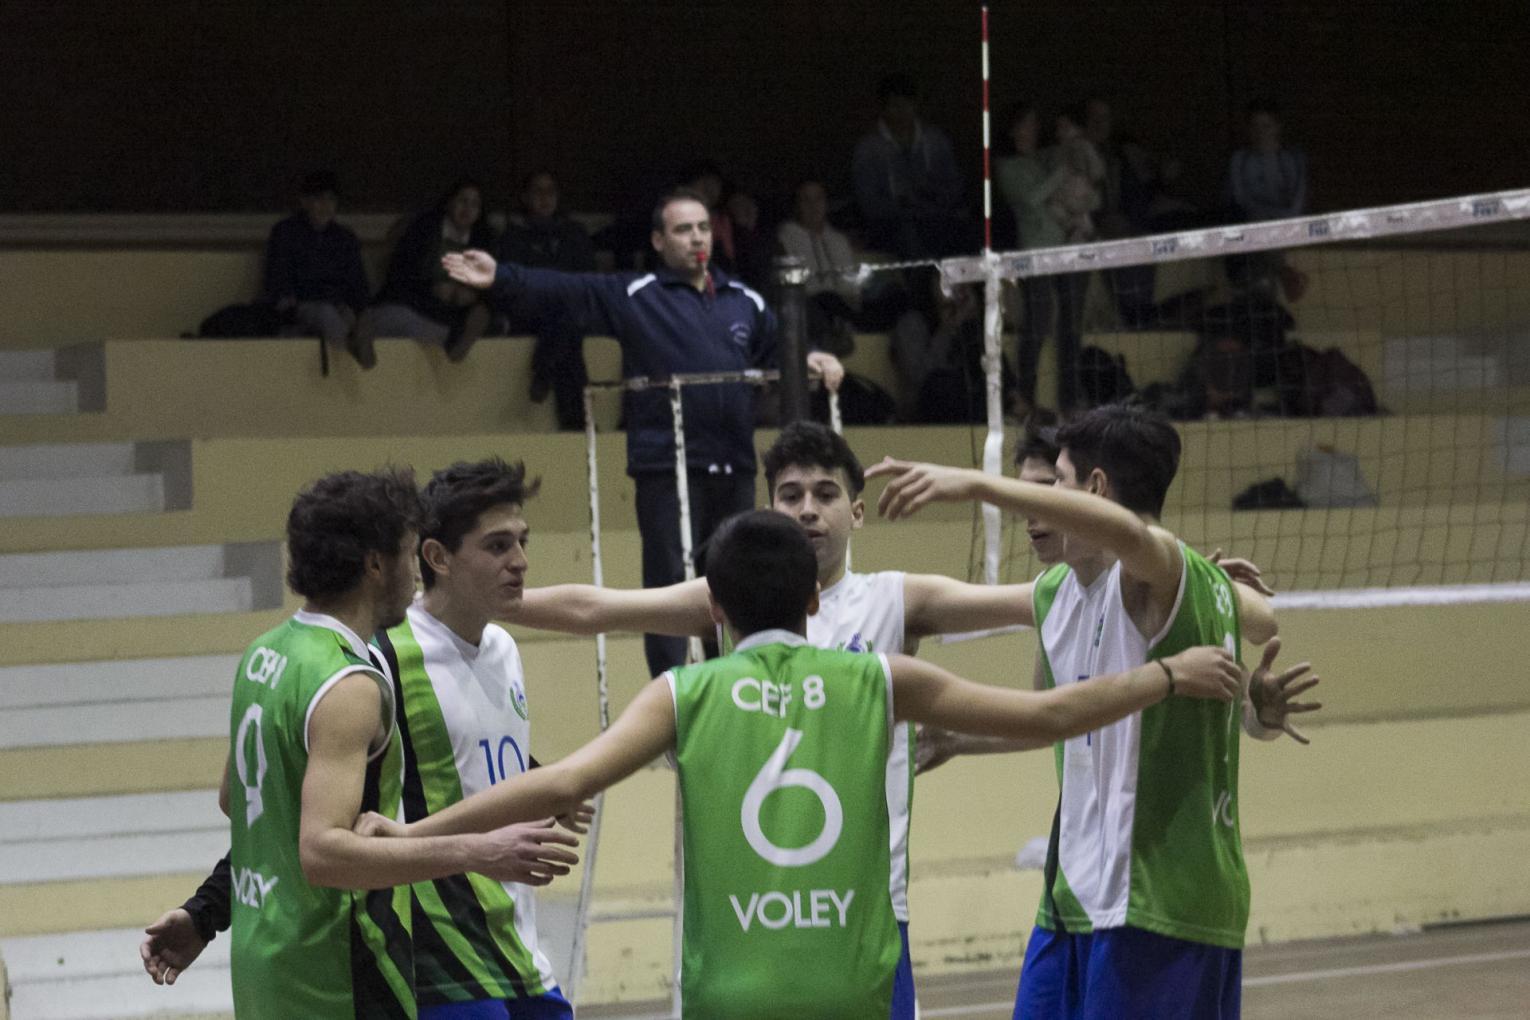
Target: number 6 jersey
{"x": 782, "y": 753}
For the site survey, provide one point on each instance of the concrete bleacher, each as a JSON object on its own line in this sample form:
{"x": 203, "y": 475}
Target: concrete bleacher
{"x": 145, "y": 485}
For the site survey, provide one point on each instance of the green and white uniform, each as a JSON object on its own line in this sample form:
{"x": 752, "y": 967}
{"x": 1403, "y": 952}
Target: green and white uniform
{"x": 1148, "y": 834}
{"x": 782, "y": 751}
{"x": 299, "y": 950}
{"x": 466, "y": 727}
{"x": 864, "y": 613}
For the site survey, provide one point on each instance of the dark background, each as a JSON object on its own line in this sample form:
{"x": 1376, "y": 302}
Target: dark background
{"x": 150, "y": 105}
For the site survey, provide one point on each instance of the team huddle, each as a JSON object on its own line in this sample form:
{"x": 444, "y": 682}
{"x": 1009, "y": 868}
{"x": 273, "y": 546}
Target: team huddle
{"x": 389, "y": 821}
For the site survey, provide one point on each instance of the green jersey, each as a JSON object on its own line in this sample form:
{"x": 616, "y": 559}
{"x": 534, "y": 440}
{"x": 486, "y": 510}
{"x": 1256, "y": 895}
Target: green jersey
{"x": 299, "y": 950}
{"x": 782, "y": 752}
{"x": 1148, "y": 818}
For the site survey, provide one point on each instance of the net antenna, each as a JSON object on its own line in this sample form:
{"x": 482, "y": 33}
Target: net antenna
{"x": 584, "y": 915}
{"x": 993, "y": 346}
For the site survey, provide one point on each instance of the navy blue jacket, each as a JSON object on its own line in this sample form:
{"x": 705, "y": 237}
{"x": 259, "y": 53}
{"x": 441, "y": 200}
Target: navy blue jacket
{"x": 666, "y": 326}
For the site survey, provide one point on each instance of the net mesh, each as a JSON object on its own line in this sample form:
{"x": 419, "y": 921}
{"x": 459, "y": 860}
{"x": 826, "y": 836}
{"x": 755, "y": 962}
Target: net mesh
{"x": 1355, "y": 413}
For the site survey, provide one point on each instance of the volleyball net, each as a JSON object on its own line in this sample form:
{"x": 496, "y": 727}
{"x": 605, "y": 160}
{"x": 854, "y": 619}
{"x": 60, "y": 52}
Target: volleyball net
{"x": 1352, "y": 389}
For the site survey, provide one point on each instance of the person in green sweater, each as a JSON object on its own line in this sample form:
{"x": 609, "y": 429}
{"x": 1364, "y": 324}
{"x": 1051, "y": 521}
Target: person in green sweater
{"x": 1031, "y": 184}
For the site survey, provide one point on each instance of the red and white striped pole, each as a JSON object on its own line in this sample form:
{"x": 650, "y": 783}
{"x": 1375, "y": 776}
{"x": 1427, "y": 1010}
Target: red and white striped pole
{"x": 987, "y": 170}
{"x": 993, "y": 326}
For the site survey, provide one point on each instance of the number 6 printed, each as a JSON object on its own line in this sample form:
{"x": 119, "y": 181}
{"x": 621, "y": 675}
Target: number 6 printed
{"x": 775, "y": 776}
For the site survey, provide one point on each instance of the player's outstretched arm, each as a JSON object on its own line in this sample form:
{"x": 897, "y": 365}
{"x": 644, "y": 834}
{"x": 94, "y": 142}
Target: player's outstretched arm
{"x": 341, "y": 731}
{"x": 473, "y": 267}
{"x": 935, "y": 746}
{"x": 1148, "y": 554}
{"x": 926, "y": 693}
{"x": 645, "y": 730}
{"x": 933, "y": 604}
{"x": 677, "y": 609}
{"x": 1271, "y": 699}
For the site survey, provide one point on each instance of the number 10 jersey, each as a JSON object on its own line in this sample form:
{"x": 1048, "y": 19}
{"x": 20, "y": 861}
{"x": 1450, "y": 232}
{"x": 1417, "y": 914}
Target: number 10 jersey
{"x": 782, "y": 753}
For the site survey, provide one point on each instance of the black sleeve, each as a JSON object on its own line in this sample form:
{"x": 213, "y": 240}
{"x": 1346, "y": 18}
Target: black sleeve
{"x": 210, "y": 907}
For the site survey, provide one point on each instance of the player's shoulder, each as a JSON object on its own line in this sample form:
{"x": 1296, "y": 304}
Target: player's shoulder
{"x": 498, "y": 641}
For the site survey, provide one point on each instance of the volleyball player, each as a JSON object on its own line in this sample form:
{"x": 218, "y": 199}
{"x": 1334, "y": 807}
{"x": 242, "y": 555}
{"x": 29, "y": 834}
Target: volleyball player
{"x": 785, "y": 902}
{"x": 1146, "y": 896}
{"x": 813, "y": 476}
{"x": 320, "y": 916}
{"x": 463, "y": 717}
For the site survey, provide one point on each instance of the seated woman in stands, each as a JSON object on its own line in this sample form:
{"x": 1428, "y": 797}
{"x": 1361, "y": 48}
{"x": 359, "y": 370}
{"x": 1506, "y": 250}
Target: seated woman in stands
{"x": 418, "y": 299}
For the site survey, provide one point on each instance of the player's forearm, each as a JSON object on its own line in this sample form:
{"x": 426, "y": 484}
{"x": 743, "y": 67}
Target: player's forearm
{"x": 566, "y": 608}
{"x": 1092, "y": 518}
{"x": 679, "y": 610}
{"x": 1078, "y": 708}
{"x": 339, "y": 859}
{"x": 965, "y": 743}
{"x": 542, "y": 793}
{"x": 1256, "y": 618}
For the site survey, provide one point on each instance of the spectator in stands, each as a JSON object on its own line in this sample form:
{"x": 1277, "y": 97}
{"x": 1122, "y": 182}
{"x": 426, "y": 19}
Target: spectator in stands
{"x": 1073, "y": 202}
{"x": 314, "y": 275}
{"x": 418, "y": 298}
{"x": 907, "y": 185}
{"x": 939, "y": 358}
{"x": 1030, "y": 183}
{"x": 1267, "y": 180}
{"x": 837, "y": 304}
{"x": 540, "y": 234}
{"x": 684, "y": 317}
{"x": 1137, "y": 200}
{"x": 739, "y": 246}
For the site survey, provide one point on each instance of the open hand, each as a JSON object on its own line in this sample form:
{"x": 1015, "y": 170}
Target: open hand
{"x": 914, "y": 485}
{"x": 528, "y": 853}
{"x": 1243, "y": 572}
{"x": 579, "y": 819}
{"x": 827, "y": 366}
{"x": 473, "y": 267}
{"x": 933, "y": 747}
{"x": 172, "y": 945}
{"x": 1274, "y": 696}
{"x": 370, "y": 823}
{"x": 1206, "y": 671}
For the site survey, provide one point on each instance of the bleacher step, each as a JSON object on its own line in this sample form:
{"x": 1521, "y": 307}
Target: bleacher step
{"x": 39, "y": 397}
{"x": 113, "y": 702}
{"x": 116, "y": 601}
{"x": 73, "y": 496}
{"x": 93, "y": 975}
{"x": 112, "y": 566}
{"x": 66, "y": 460}
{"x": 27, "y": 366}
{"x": 76, "y": 838}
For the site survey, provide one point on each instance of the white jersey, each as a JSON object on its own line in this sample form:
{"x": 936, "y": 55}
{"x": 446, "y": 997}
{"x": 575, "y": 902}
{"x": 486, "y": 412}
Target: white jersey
{"x": 864, "y": 613}
{"x": 1088, "y": 633}
{"x": 480, "y": 694}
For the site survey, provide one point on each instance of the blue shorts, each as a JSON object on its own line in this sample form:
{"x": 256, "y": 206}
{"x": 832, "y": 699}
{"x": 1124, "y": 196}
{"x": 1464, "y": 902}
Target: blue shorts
{"x": 1127, "y": 972}
{"x": 550, "y": 1005}
{"x": 904, "y": 1002}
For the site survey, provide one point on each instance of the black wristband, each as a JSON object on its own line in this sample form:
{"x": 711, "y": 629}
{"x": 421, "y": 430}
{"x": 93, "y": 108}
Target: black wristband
{"x": 1168, "y": 673}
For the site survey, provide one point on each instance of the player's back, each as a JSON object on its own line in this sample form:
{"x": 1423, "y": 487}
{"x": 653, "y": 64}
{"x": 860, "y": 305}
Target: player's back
{"x": 299, "y": 949}
{"x": 782, "y": 751}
